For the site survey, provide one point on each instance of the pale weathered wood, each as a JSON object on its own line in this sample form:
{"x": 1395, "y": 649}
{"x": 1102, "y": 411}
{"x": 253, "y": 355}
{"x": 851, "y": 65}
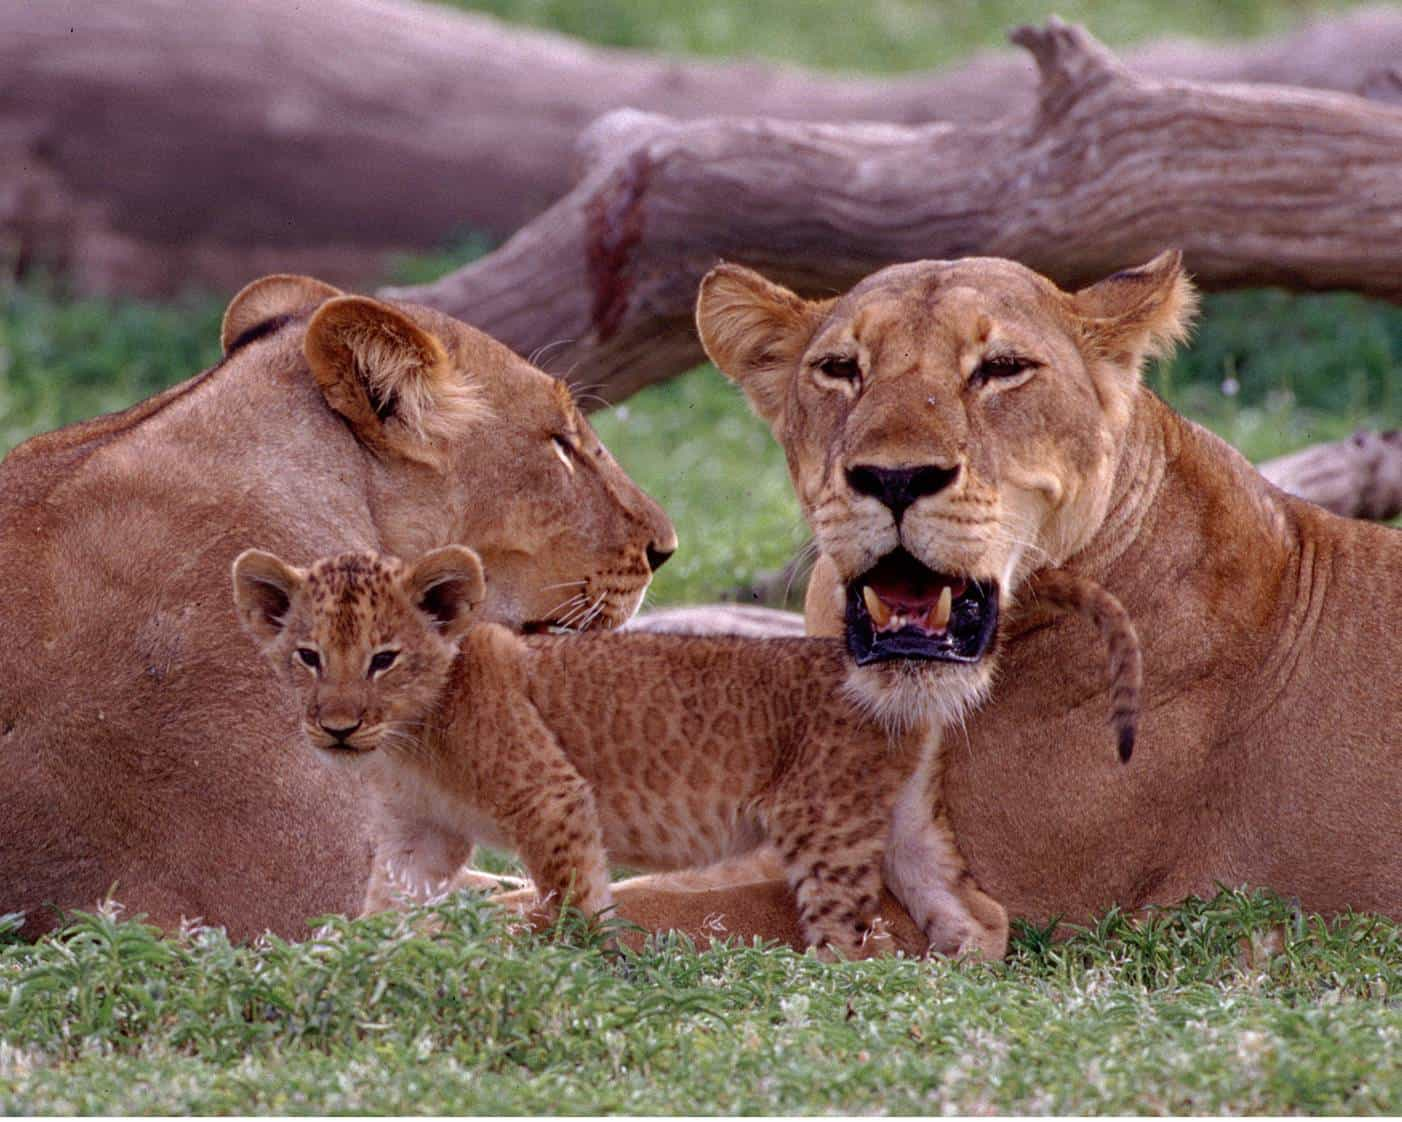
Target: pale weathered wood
{"x": 151, "y": 144}
{"x": 1257, "y": 184}
{"x": 1359, "y": 478}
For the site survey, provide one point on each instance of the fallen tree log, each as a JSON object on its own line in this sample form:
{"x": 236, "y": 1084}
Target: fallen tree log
{"x": 1359, "y": 478}
{"x": 1257, "y": 185}
{"x": 150, "y": 145}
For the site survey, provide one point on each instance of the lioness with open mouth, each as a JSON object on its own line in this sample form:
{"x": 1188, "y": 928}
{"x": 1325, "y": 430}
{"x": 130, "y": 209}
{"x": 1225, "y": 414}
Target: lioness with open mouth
{"x": 953, "y": 427}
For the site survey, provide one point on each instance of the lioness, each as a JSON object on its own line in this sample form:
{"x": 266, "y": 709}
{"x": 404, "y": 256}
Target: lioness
{"x": 144, "y": 745}
{"x": 964, "y": 424}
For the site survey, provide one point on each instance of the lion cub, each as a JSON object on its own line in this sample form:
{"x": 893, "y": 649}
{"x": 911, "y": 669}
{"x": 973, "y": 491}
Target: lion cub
{"x": 660, "y": 751}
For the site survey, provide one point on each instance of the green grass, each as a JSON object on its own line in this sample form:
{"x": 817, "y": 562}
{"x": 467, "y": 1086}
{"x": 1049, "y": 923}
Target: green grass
{"x": 1233, "y": 1005}
{"x": 883, "y": 35}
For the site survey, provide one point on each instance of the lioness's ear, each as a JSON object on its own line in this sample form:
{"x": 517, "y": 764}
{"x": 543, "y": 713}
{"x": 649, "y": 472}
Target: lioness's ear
{"x": 447, "y": 585}
{"x": 265, "y": 305}
{"x": 263, "y": 589}
{"x": 754, "y": 331}
{"x": 1138, "y": 313}
{"x": 390, "y": 379}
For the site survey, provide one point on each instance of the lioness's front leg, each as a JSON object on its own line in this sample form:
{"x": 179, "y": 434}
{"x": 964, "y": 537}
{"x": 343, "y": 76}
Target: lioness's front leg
{"x": 414, "y": 862}
{"x": 927, "y": 873}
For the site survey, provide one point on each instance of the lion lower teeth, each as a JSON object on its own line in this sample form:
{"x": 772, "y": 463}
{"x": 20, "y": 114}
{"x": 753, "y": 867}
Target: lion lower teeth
{"x": 879, "y": 612}
{"x": 938, "y": 619}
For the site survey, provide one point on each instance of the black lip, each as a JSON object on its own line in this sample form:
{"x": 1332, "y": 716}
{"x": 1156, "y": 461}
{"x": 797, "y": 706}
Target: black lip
{"x": 973, "y": 625}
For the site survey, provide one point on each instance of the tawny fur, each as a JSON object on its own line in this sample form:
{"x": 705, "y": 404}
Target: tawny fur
{"x": 1271, "y": 751}
{"x": 145, "y": 746}
{"x": 1080, "y": 596}
{"x": 665, "y": 751}
{"x": 657, "y": 751}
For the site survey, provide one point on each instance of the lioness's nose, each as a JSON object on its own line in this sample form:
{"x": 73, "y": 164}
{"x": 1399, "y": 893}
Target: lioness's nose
{"x": 897, "y": 488}
{"x": 657, "y": 556}
{"x": 339, "y": 727}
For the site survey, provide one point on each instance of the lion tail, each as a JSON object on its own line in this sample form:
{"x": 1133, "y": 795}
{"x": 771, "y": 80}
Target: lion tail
{"x": 1087, "y": 599}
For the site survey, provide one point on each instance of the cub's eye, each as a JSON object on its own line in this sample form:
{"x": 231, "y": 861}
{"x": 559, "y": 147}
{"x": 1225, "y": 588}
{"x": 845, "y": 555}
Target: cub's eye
{"x": 381, "y": 661}
{"x": 839, "y": 368}
{"x": 565, "y": 450}
{"x": 309, "y": 658}
{"x": 995, "y": 367}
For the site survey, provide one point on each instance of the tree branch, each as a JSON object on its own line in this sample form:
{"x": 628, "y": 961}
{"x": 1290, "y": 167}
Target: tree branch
{"x": 149, "y": 146}
{"x": 1258, "y": 185}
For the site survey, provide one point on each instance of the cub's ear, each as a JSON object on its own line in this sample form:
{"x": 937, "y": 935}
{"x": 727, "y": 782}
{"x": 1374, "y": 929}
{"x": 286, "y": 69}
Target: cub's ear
{"x": 447, "y": 585}
{"x": 755, "y": 331}
{"x": 1138, "y": 313}
{"x": 390, "y": 379}
{"x": 265, "y": 305}
{"x": 263, "y": 589}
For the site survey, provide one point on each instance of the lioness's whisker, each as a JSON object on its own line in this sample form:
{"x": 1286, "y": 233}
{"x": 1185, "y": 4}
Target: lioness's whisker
{"x": 545, "y": 348}
{"x": 569, "y": 618}
{"x": 569, "y": 605}
{"x": 562, "y": 584}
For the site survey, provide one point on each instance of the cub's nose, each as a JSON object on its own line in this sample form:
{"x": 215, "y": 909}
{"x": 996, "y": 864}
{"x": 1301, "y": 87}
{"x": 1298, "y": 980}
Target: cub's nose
{"x": 657, "y": 556}
{"x": 338, "y": 727}
{"x": 898, "y": 488}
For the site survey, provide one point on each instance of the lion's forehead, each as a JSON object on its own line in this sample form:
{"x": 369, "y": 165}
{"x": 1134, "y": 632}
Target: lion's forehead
{"x": 353, "y": 599}
{"x": 922, "y": 302}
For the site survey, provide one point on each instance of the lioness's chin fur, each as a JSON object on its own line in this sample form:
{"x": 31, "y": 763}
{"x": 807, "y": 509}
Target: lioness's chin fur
{"x": 903, "y": 696}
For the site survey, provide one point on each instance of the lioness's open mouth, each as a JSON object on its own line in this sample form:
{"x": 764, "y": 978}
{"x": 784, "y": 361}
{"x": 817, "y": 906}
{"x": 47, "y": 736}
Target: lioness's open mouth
{"x": 901, "y": 609}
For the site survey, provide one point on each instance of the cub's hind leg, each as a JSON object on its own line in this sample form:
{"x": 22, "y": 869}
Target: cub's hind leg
{"x": 831, "y": 844}
{"x": 927, "y": 874}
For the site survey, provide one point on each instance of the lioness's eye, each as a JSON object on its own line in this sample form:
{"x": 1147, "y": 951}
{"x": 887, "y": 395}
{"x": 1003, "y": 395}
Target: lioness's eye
{"x": 381, "y": 661}
{"x": 1003, "y": 366}
{"x": 309, "y": 658}
{"x": 565, "y": 450}
{"x": 840, "y": 368}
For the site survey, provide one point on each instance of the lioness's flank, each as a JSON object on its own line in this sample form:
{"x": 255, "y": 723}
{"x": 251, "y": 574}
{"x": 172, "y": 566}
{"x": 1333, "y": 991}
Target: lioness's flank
{"x": 668, "y": 751}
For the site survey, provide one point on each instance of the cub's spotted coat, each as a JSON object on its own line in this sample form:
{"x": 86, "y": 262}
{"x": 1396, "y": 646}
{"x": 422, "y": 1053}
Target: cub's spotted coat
{"x": 658, "y": 751}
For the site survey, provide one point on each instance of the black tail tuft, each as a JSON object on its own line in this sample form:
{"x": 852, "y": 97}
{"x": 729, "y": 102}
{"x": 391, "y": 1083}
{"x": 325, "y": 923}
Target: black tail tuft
{"x": 1126, "y": 742}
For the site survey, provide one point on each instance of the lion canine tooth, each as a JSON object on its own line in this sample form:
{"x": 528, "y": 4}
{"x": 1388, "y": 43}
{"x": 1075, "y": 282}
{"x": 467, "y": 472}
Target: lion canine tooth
{"x": 879, "y": 612}
{"x": 938, "y": 619}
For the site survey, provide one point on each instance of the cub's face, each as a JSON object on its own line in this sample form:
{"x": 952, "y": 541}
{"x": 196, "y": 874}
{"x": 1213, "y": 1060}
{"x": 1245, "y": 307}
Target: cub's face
{"x": 949, "y": 426}
{"x": 367, "y": 643}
